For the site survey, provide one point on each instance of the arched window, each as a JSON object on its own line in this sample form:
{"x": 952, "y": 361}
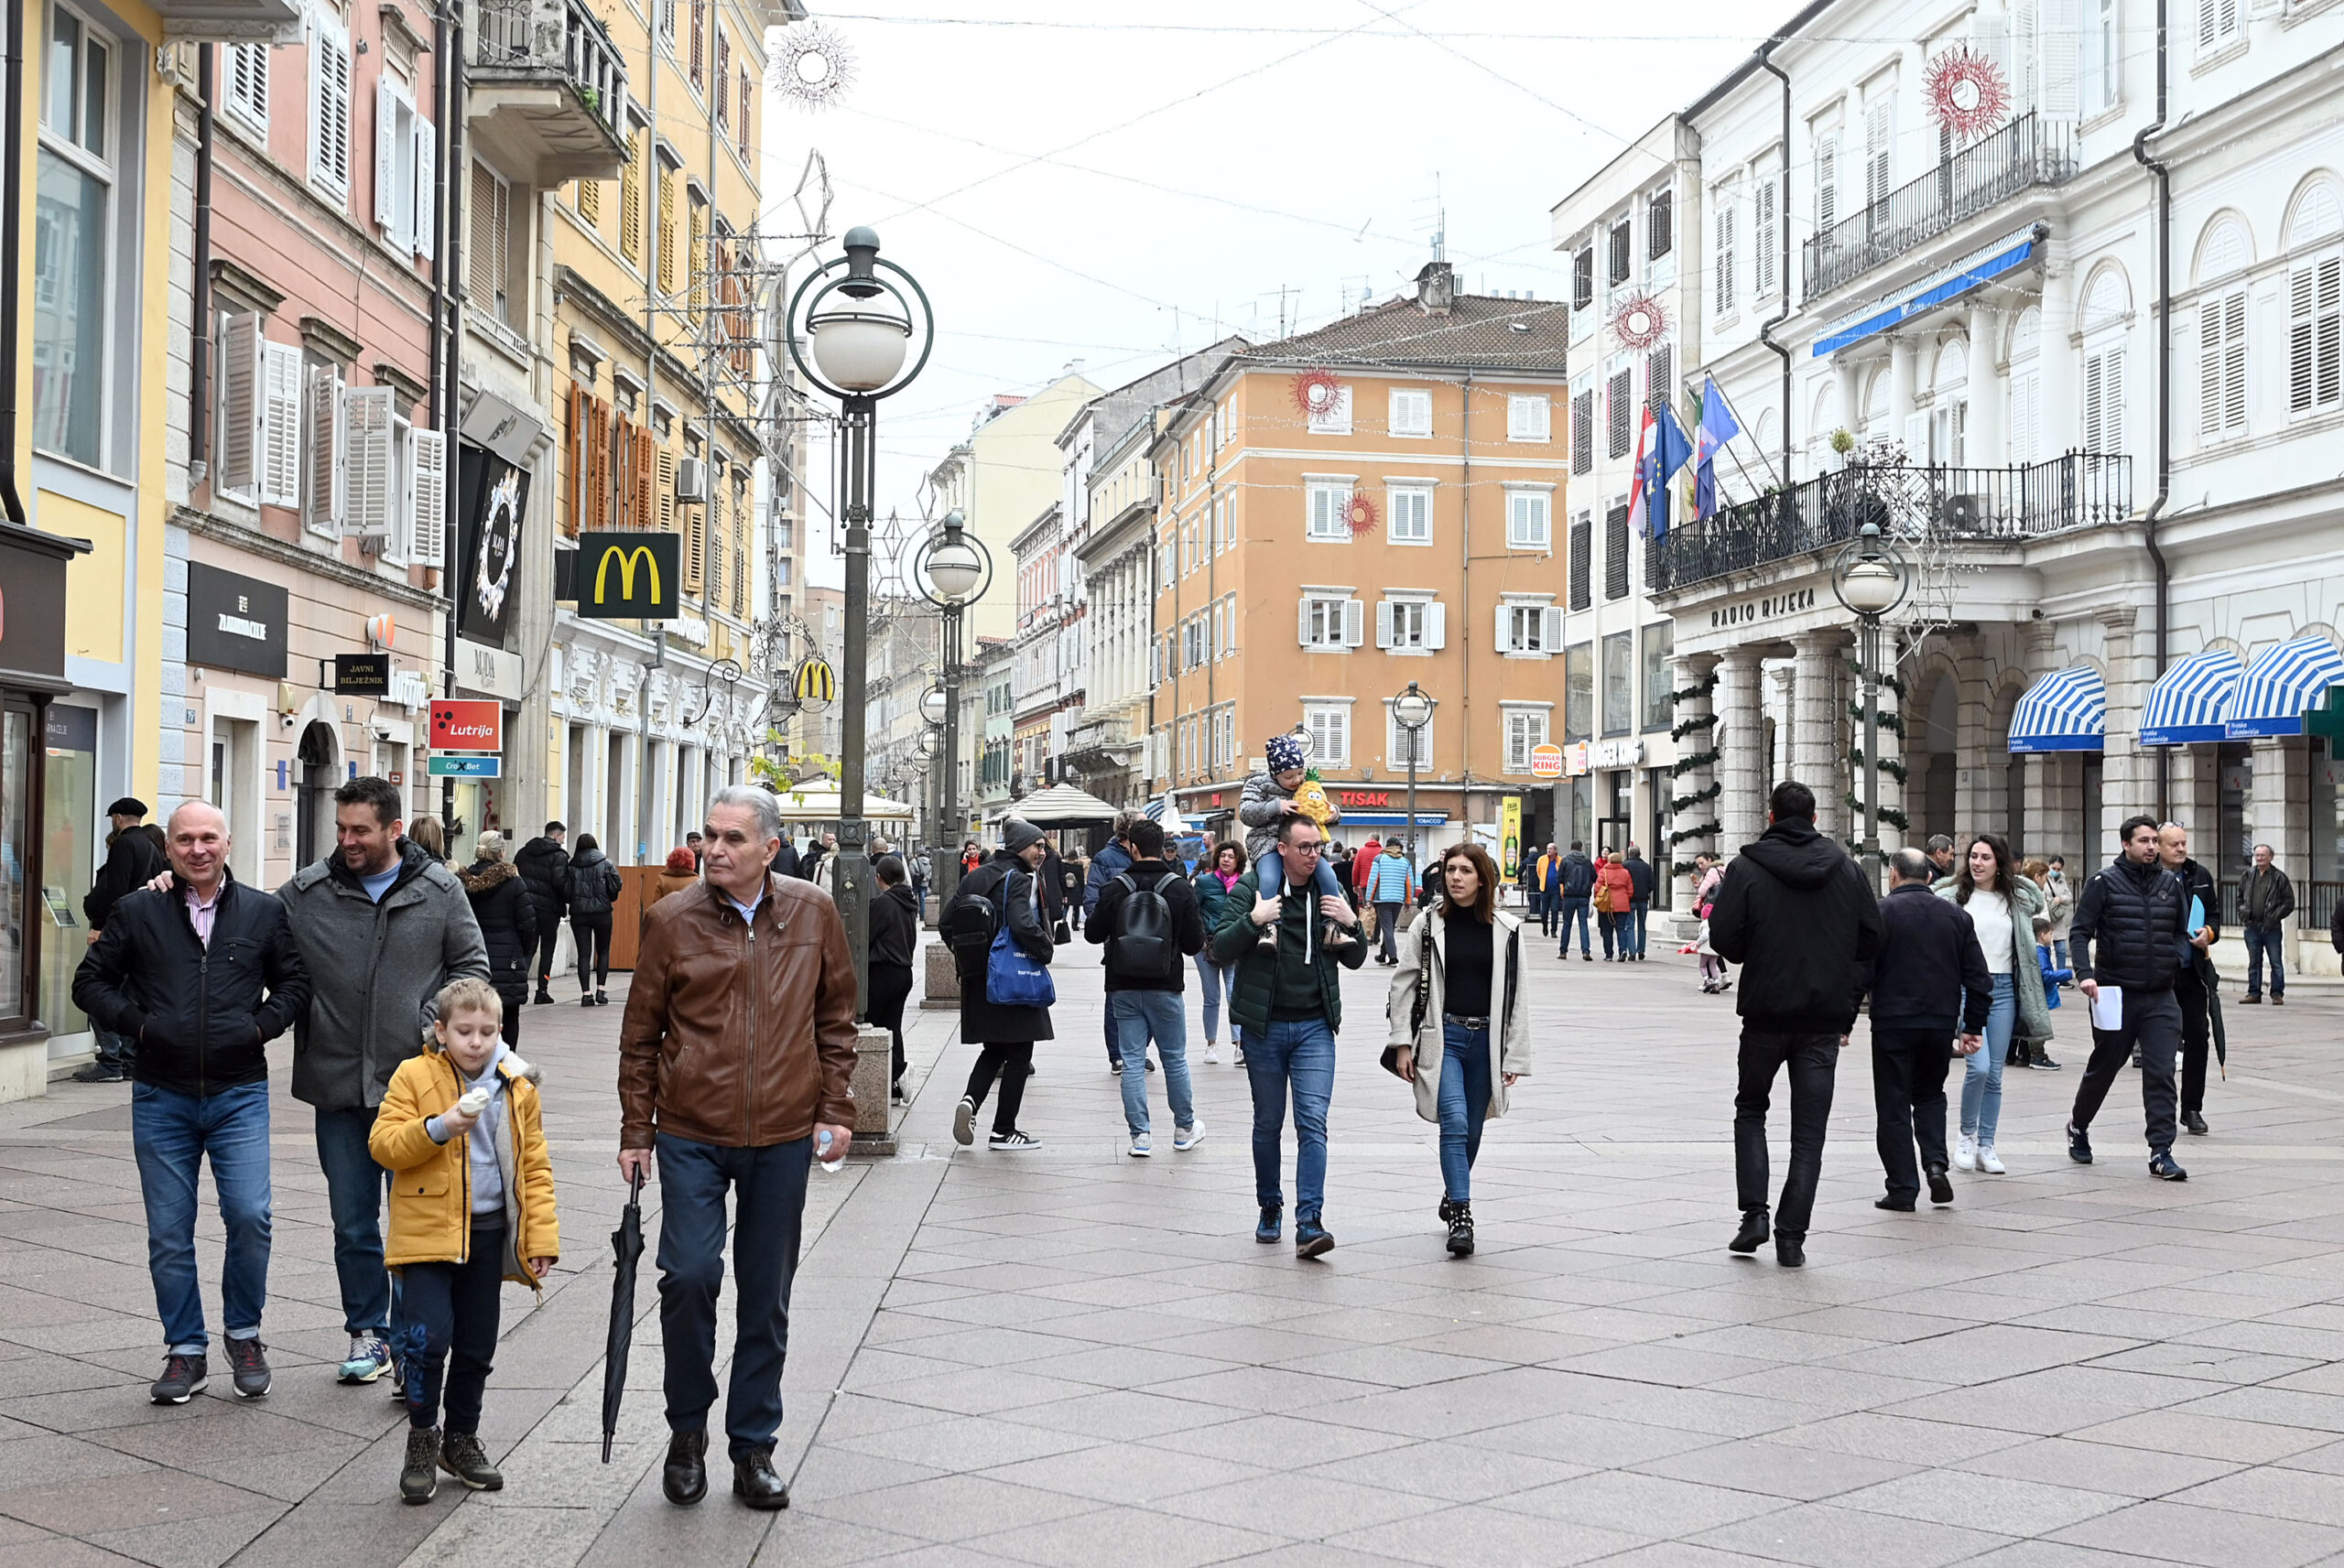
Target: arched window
{"x": 1875, "y": 423}
{"x": 1820, "y": 423}
{"x": 2222, "y": 257}
{"x": 2107, "y": 301}
{"x": 1949, "y": 409}
{"x": 2026, "y": 387}
{"x": 2315, "y": 301}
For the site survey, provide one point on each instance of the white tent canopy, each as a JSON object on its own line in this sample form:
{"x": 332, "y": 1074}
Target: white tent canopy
{"x": 818, "y": 802}
{"x": 1061, "y": 805}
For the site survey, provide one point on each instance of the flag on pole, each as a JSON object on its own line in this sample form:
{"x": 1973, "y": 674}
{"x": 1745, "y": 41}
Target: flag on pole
{"x": 1662, "y": 448}
{"x": 1717, "y": 427}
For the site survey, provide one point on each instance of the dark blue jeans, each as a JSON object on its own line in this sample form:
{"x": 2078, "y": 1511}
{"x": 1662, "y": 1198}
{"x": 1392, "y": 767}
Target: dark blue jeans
{"x": 1299, "y": 1052}
{"x": 1575, "y": 909}
{"x": 2259, "y": 942}
{"x": 457, "y": 1307}
{"x": 354, "y": 1188}
{"x": 1639, "y": 916}
{"x": 170, "y": 1133}
{"x": 769, "y": 1189}
{"x": 1464, "y": 1104}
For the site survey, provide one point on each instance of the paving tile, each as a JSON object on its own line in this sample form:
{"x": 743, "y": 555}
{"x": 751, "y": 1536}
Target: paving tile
{"x": 949, "y": 1507}
{"x": 1304, "y": 1507}
{"x": 2277, "y": 1492}
{"x": 1825, "y": 1536}
{"x": 1655, "y": 1507}
{"x": 2211, "y": 1537}
{"x": 1774, "y": 1468}
{"x": 2004, "y": 1503}
{"x": 1486, "y": 1536}
{"x": 1124, "y": 1536}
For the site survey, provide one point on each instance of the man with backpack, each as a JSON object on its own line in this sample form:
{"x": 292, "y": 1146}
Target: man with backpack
{"x": 1148, "y": 921}
{"x": 1110, "y": 862}
{"x": 1575, "y": 879}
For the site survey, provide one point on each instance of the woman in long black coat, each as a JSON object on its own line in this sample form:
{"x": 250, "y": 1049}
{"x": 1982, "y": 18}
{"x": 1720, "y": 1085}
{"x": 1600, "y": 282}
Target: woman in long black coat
{"x": 1007, "y": 1034}
{"x": 508, "y": 924}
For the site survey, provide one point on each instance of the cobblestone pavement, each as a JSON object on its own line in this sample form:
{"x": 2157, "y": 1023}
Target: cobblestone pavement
{"x": 1068, "y": 1356}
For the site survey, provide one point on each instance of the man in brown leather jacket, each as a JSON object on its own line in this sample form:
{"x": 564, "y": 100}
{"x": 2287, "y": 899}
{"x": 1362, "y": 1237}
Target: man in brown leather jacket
{"x": 736, "y": 1059}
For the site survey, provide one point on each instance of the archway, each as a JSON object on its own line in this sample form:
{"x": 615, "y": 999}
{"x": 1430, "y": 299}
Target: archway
{"x": 318, "y": 761}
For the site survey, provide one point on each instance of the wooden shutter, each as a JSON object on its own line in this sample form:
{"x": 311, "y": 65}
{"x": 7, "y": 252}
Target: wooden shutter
{"x": 700, "y": 43}
{"x": 323, "y": 505}
{"x": 427, "y": 467}
{"x": 1660, "y": 377}
{"x": 631, "y": 200}
{"x": 1550, "y": 628}
{"x": 598, "y": 466}
{"x": 696, "y": 548}
{"x": 1435, "y": 626}
{"x": 1583, "y": 432}
{"x": 748, "y": 95}
{"x": 1583, "y": 563}
{"x": 386, "y": 165}
{"x": 329, "y": 106}
{"x": 665, "y": 467}
{"x": 426, "y": 189}
{"x": 1354, "y": 624}
{"x": 241, "y": 402}
{"x": 2060, "y": 93}
{"x": 1615, "y": 552}
{"x": 367, "y": 419}
{"x": 2314, "y": 334}
{"x": 281, "y": 458}
{"x": 646, "y": 463}
{"x": 1826, "y": 183}
{"x": 1763, "y": 237}
{"x": 590, "y": 202}
{"x": 723, "y": 81}
{"x": 573, "y": 512}
{"x": 667, "y": 230}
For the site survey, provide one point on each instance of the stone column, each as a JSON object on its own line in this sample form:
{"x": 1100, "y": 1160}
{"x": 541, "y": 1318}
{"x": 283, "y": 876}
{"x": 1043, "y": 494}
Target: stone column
{"x": 1740, "y": 733}
{"x": 1989, "y": 436}
{"x": 1979, "y": 803}
{"x": 2062, "y": 419}
{"x": 1692, "y": 671}
{"x": 1904, "y": 361}
{"x": 1818, "y": 758}
{"x": 2193, "y": 786}
{"x": 2126, "y": 786}
{"x": 1848, "y": 391}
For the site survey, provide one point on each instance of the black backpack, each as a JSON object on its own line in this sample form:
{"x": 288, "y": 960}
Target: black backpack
{"x": 970, "y": 921}
{"x": 1144, "y": 947}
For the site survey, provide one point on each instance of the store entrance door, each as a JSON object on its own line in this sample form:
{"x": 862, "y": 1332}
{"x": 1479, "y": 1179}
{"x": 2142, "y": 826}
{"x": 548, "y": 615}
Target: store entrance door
{"x": 313, "y": 793}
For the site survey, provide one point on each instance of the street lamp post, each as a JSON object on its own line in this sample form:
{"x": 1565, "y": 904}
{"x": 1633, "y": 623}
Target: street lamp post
{"x": 858, "y": 326}
{"x": 1870, "y": 577}
{"x": 1412, "y": 710}
{"x": 952, "y": 571}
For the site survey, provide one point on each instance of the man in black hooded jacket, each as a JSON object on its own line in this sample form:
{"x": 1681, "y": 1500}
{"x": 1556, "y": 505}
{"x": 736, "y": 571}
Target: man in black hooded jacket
{"x": 1794, "y": 911}
{"x": 2127, "y": 933}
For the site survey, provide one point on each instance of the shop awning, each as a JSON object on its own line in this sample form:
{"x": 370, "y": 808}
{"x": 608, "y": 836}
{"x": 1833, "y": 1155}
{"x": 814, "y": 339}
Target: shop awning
{"x": 1061, "y": 805}
{"x": 1974, "y": 272}
{"x": 2189, "y": 699}
{"x": 2067, "y": 710}
{"x": 2283, "y": 684}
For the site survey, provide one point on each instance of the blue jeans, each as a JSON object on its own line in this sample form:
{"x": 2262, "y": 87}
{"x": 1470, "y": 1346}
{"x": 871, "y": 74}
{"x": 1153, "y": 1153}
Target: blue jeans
{"x": 769, "y": 1195}
{"x": 1299, "y": 1052}
{"x": 1464, "y": 1103}
{"x": 1574, "y": 909}
{"x": 1140, "y": 1014}
{"x": 1220, "y": 984}
{"x": 1982, "y": 1090}
{"x": 354, "y": 1188}
{"x": 170, "y": 1133}
{"x": 2257, "y": 942}
{"x": 1638, "y": 913}
{"x": 1271, "y": 870}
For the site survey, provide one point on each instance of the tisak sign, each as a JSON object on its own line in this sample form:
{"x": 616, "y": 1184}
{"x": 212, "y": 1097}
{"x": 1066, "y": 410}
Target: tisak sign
{"x": 626, "y": 577}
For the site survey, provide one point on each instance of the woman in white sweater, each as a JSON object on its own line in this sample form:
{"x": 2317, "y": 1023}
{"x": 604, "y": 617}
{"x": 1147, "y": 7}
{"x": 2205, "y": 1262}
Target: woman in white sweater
{"x": 2002, "y": 905}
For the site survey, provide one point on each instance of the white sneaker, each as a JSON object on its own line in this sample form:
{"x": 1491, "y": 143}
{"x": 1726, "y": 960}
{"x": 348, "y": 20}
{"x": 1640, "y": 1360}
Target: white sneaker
{"x": 1965, "y": 1154}
{"x": 1189, "y": 1137}
{"x": 964, "y": 1118}
{"x": 1212, "y": 1052}
{"x": 1141, "y": 1148}
{"x": 1989, "y": 1161}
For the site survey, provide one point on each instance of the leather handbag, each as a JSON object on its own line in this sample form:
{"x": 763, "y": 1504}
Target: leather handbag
{"x": 1014, "y": 978}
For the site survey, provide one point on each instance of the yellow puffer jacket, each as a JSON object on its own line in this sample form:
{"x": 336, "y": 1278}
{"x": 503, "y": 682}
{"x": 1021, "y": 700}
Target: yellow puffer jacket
{"x": 431, "y": 1182}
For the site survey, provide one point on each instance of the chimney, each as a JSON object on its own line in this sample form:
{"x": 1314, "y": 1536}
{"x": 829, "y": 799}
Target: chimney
{"x": 1436, "y": 288}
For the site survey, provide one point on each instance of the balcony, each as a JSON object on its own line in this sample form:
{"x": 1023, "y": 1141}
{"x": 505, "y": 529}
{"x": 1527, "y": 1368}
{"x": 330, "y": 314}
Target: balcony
{"x": 2026, "y": 152}
{"x": 2082, "y": 490}
{"x": 547, "y": 93}
{"x": 230, "y": 21}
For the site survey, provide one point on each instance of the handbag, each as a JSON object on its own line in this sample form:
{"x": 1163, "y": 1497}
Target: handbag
{"x": 1014, "y": 978}
{"x": 1060, "y": 935}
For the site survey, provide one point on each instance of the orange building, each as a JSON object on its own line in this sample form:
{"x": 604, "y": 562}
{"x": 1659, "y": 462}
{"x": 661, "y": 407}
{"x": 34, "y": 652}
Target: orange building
{"x": 1377, "y": 502}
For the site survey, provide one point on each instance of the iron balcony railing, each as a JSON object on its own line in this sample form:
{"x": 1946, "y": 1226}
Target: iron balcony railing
{"x": 2082, "y": 490}
{"x": 2028, "y": 151}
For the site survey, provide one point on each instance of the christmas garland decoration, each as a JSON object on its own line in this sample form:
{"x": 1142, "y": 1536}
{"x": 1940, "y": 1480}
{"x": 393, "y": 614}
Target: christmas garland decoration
{"x": 1893, "y": 723}
{"x": 1691, "y": 725}
{"x": 1640, "y": 322}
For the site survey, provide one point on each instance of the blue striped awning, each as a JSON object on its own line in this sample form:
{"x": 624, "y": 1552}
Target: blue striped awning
{"x": 2283, "y": 684}
{"x": 2189, "y": 701}
{"x": 2067, "y": 710}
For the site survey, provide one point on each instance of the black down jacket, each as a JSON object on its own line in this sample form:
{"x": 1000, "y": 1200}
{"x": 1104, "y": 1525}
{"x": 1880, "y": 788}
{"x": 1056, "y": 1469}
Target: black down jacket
{"x": 544, "y": 866}
{"x": 2127, "y": 929}
{"x": 593, "y": 883}
{"x": 983, "y": 1020}
{"x": 507, "y": 913}
{"x": 1793, "y": 910}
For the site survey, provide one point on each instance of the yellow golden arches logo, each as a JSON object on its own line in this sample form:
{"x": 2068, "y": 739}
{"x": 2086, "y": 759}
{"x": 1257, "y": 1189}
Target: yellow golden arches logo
{"x": 817, "y": 682}
{"x": 628, "y": 561}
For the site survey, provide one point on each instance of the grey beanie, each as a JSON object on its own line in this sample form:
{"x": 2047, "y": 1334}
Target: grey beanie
{"x": 1017, "y": 835}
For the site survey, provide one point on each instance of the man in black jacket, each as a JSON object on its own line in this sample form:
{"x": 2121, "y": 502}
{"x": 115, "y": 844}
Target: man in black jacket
{"x": 894, "y": 936}
{"x": 131, "y": 861}
{"x": 2133, "y": 911}
{"x": 201, "y": 978}
{"x": 544, "y": 866}
{"x": 1578, "y": 887}
{"x": 2265, "y": 899}
{"x": 1642, "y": 879}
{"x": 2194, "y": 981}
{"x": 1794, "y": 911}
{"x": 1145, "y": 973}
{"x": 1928, "y": 955}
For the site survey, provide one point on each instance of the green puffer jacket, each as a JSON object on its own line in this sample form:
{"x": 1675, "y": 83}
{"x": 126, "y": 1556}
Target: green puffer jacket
{"x": 1236, "y": 940}
{"x": 2026, "y": 973}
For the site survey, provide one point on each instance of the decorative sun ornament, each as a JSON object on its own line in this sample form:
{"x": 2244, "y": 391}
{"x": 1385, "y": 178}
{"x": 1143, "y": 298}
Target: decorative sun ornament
{"x": 1360, "y": 513}
{"x": 1640, "y": 322}
{"x": 812, "y": 64}
{"x": 1966, "y": 92}
{"x": 1317, "y": 392}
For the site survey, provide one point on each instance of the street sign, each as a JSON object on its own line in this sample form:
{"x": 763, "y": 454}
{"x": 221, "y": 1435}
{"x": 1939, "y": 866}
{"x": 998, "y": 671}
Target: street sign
{"x": 444, "y": 767}
{"x": 1547, "y": 761}
{"x": 629, "y": 576}
{"x": 816, "y": 685}
{"x": 361, "y": 675}
{"x": 462, "y": 724}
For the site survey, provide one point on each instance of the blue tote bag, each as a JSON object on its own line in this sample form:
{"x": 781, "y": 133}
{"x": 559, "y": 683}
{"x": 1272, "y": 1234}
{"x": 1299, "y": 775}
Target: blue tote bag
{"x": 1014, "y": 978}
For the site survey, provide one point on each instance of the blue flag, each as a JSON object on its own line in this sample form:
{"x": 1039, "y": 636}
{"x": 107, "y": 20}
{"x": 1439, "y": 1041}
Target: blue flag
{"x": 1671, "y": 448}
{"x": 1717, "y": 427}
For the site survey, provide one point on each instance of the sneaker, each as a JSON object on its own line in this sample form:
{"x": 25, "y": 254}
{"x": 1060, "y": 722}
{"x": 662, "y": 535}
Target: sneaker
{"x": 1212, "y": 1054}
{"x": 370, "y": 1358}
{"x": 1989, "y": 1161}
{"x": 2078, "y": 1145}
{"x": 420, "y": 1476}
{"x": 1189, "y": 1137}
{"x": 1141, "y": 1147}
{"x": 585, "y": 999}
{"x": 1312, "y": 1240}
{"x": 1013, "y": 1140}
{"x": 1336, "y": 938}
{"x": 183, "y": 1378}
{"x": 98, "y": 1073}
{"x": 1238, "y": 1057}
{"x": 2161, "y": 1167}
{"x": 462, "y": 1456}
{"x": 964, "y": 1118}
{"x": 601, "y": 998}
{"x": 2042, "y": 1060}
{"x": 1940, "y": 1187}
{"x": 1266, "y": 1230}
{"x": 248, "y": 1364}
{"x": 1965, "y": 1154}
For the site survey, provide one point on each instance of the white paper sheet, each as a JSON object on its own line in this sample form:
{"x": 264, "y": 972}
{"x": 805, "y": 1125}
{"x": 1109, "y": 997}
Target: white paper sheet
{"x": 2107, "y": 1008}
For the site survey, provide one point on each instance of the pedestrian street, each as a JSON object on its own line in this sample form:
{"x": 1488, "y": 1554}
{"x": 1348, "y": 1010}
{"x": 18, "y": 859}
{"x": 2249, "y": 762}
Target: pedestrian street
{"x": 1066, "y": 1355}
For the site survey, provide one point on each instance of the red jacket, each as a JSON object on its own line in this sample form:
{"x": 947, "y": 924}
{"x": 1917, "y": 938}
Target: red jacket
{"x": 1363, "y": 866}
{"x": 1622, "y": 886}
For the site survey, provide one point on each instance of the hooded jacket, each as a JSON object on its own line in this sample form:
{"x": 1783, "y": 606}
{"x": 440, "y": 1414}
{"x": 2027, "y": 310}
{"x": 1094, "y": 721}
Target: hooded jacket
{"x": 508, "y": 921}
{"x": 1237, "y": 941}
{"x": 544, "y": 866}
{"x": 431, "y": 1182}
{"x": 1577, "y": 876}
{"x": 593, "y": 883}
{"x": 2128, "y": 927}
{"x": 894, "y": 926}
{"x": 1793, "y": 910}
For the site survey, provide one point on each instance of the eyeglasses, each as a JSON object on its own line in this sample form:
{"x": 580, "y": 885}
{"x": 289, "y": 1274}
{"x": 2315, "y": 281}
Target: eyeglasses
{"x": 1306, "y": 849}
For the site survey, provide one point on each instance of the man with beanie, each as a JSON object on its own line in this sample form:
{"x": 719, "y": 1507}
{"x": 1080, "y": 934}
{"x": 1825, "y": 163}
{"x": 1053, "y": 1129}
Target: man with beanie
{"x": 1267, "y": 803}
{"x": 131, "y": 861}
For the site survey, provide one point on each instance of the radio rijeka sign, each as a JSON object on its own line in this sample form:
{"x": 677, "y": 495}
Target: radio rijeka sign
{"x": 460, "y": 725}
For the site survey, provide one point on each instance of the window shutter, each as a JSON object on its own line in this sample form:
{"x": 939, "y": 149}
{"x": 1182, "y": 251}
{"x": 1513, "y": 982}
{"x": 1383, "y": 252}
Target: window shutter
{"x": 2209, "y": 370}
{"x": 367, "y": 416}
{"x": 646, "y": 481}
{"x": 386, "y": 164}
{"x": 1583, "y": 432}
{"x": 427, "y": 465}
{"x": 1435, "y": 626}
{"x": 280, "y": 461}
{"x": 1503, "y": 642}
{"x": 723, "y": 82}
{"x": 1620, "y": 395}
{"x": 1615, "y": 553}
{"x": 598, "y": 465}
{"x": 1583, "y": 279}
{"x": 2026, "y": 416}
{"x": 1302, "y": 620}
{"x": 1382, "y": 622}
{"x": 427, "y": 207}
{"x": 1550, "y": 639}
{"x": 699, "y": 41}
{"x": 2234, "y": 362}
{"x": 1583, "y": 563}
{"x": 329, "y": 98}
{"x": 2060, "y": 96}
{"x": 241, "y": 402}
{"x": 631, "y": 202}
{"x": 1354, "y": 624}
{"x": 696, "y": 549}
{"x": 1827, "y": 182}
{"x": 1763, "y": 238}
{"x": 324, "y": 509}
{"x": 1621, "y": 261}
{"x": 1916, "y": 438}
{"x": 1660, "y": 377}
{"x": 1722, "y": 258}
{"x": 1660, "y": 224}
{"x": 246, "y": 71}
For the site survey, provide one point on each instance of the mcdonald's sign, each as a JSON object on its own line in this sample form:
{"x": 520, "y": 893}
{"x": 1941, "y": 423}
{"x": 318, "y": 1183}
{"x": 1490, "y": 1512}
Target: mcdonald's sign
{"x": 816, "y": 685}
{"x": 629, "y": 576}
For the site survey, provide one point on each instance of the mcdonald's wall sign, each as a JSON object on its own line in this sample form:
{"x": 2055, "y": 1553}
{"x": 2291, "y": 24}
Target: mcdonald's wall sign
{"x": 624, "y": 577}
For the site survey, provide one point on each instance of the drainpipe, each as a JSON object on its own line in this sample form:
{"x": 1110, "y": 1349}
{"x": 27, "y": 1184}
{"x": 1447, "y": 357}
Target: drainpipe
{"x": 1465, "y": 622}
{"x": 1783, "y": 223}
{"x": 12, "y": 215}
{"x": 2164, "y": 178}
{"x": 448, "y": 387}
{"x": 199, "y": 381}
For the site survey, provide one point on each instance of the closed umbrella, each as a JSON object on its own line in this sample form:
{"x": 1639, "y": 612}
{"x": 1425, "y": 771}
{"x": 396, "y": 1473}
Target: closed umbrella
{"x": 626, "y": 1242}
{"x": 2214, "y": 1015}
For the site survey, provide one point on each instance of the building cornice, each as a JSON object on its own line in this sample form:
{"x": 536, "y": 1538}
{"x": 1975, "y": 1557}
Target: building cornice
{"x": 268, "y": 546}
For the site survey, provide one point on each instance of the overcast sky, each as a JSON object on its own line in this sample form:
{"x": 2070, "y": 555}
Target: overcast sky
{"x": 1116, "y": 184}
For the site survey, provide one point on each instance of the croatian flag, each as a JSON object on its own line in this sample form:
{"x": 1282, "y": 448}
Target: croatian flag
{"x": 1662, "y": 448}
{"x": 1717, "y": 427}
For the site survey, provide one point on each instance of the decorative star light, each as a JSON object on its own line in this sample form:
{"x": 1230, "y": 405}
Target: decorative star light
{"x": 1966, "y": 92}
{"x": 1317, "y": 392}
{"x": 1360, "y": 513}
{"x": 1639, "y": 322}
{"x": 811, "y": 63}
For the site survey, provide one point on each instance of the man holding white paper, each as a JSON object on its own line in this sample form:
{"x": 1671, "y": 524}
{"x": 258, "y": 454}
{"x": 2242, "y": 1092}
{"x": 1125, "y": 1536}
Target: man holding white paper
{"x": 2126, "y": 945}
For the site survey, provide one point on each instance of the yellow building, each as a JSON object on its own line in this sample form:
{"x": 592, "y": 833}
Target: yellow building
{"x": 1011, "y": 476}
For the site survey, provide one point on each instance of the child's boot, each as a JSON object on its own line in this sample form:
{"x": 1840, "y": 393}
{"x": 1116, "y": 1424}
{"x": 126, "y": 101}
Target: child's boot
{"x": 462, "y": 1456}
{"x": 418, "y": 1480}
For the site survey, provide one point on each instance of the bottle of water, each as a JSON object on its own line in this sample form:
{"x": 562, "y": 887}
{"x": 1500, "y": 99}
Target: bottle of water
{"x": 822, "y": 1150}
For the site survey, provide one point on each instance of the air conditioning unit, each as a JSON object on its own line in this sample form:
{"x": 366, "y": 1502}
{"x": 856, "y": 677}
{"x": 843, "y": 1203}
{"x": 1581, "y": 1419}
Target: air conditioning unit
{"x": 1961, "y": 514}
{"x": 691, "y": 482}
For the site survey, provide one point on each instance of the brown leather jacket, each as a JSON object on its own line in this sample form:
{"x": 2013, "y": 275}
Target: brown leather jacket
{"x": 737, "y": 1036}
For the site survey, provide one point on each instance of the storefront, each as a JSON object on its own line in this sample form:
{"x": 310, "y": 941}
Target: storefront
{"x": 36, "y": 917}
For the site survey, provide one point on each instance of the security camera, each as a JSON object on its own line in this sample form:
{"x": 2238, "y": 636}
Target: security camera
{"x": 285, "y": 719}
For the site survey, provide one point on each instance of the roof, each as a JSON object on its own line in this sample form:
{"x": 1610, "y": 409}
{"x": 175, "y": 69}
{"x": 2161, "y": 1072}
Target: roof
{"x": 1114, "y": 414}
{"x": 1479, "y": 333}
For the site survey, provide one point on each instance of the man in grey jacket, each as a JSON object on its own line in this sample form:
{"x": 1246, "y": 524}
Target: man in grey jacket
{"x": 382, "y": 925}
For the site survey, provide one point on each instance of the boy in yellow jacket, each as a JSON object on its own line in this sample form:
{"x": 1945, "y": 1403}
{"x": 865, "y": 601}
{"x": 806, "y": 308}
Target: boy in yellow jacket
{"x": 472, "y": 1207}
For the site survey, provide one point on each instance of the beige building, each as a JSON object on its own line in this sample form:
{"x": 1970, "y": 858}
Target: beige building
{"x": 1008, "y": 476}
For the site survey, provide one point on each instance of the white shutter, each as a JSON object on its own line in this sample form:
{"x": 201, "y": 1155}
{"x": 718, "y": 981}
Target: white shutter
{"x": 426, "y": 209}
{"x": 1382, "y": 622}
{"x": 1552, "y": 632}
{"x": 427, "y": 464}
{"x": 1990, "y": 36}
{"x": 2026, "y": 416}
{"x": 247, "y": 83}
{"x": 1880, "y": 125}
{"x": 280, "y": 461}
{"x": 1827, "y": 182}
{"x": 1354, "y": 624}
{"x": 323, "y": 509}
{"x": 2024, "y": 46}
{"x": 2060, "y": 95}
{"x": 1435, "y": 626}
{"x": 367, "y": 416}
{"x": 386, "y": 162}
{"x": 329, "y": 106}
{"x": 1503, "y": 641}
{"x": 1302, "y": 620}
{"x": 1916, "y": 438}
{"x": 240, "y": 403}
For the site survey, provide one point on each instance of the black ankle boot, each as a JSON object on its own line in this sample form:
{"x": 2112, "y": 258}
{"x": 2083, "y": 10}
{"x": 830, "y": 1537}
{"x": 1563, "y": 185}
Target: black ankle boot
{"x": 420, "y": 1476}
{"x": 1461, "y": 1230}
{"x": 685, "y": 1475}
{"x": 1752, "y": 1234}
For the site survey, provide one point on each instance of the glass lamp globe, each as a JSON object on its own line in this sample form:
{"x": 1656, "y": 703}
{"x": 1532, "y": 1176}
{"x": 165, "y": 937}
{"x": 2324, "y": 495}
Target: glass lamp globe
{"x": 955, "y": 569}
{"x": 1412, "y": 708}
{"x": 858, "y": 344}
{"x": 932, "y": 705}
{"x": 1870, "y": 588}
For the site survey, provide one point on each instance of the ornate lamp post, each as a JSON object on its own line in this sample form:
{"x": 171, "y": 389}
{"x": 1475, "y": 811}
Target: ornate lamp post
{"x": 1871, "y": 578}
{"x": 1412, "y": 710}
{"x": 858, "y": 326}
{"x": 952, "y": 570}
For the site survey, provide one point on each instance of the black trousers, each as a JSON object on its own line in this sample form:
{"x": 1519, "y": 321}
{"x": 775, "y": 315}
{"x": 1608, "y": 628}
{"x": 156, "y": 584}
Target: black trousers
{"x": 1908, "y": 1069}
{"x": 2152, "y": 1021}
{"x": 1006, "y": 1060}
{"x": 515, "y": 997}
{"x": 2196, "y": 1039}
{"x": 455, "y": 1305}
{"x": 891, "y": 986}
{"x": 549, "y": 939}
{"x": 592, "y": 932}
{"x": 1813, "y": 1061}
